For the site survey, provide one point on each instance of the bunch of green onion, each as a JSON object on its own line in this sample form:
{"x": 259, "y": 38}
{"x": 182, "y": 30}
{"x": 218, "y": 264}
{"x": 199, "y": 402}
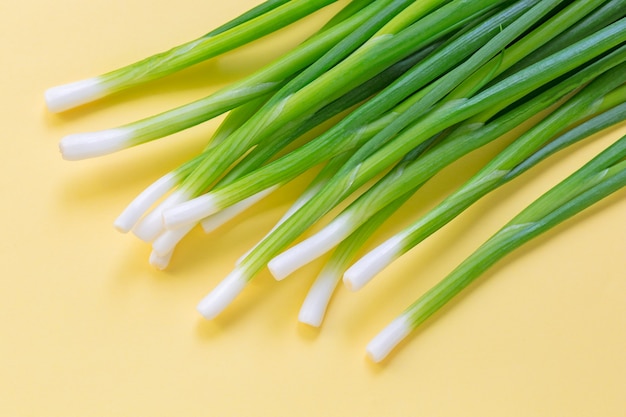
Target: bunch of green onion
{"x": 414, "y": 85}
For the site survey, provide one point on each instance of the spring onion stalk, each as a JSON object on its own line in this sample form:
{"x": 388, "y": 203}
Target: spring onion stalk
{"x": 442, "y": 85}
{"x": 167, "y": 241}
{"x": 372, "y": 263}
{"x": 258, "y": 22}
{"x": 225, "y": 197}
{"x": 271, "y": 146}
{"x": 347, "y": 134}
{"x": 269, "y": 79}
{"x": 140, "y": 204}
{"x": 341, "y": 227}
{"x": 375, "y": 261}
{"x": 325, "y": 174}
{"x": 348, "y": 181}
{"x": 449, "y": 81}
{"x": 602, "y": 176}
{"x": 494, "y": 174}
{"x": 168, "y": 238}
{"x": 597, "y": 124}
{"x": 406, "y": 103}
{"x": 212, "y": 222}
{"x": 218, "y": 219}
{"x": 164, "y": 245}
{"x": 146, "y": 231}
{"x": 147, "y": 198}
{"x": 512, "y": 88}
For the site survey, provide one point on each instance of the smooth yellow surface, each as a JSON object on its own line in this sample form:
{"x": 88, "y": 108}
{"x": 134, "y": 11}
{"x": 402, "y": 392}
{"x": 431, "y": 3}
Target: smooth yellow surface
{"x": 88, "y": 328}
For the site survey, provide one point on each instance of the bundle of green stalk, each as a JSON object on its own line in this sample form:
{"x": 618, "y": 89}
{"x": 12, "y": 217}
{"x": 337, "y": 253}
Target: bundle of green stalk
{"x": 415, "y": 86}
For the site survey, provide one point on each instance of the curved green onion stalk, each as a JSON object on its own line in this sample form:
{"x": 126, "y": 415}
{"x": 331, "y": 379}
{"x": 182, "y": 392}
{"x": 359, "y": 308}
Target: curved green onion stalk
{"x": 603, "y": 175}
{"x": 316, "y": 302}
{"x": 402, "y": 89}
{"x": 260, "y": 21}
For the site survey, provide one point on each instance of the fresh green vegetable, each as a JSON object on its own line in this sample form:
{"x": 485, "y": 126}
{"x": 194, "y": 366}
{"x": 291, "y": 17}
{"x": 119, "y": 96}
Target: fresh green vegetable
{"x": 403, "y": 89}
{"x": 262, "y": 20}
{"x": 603, "y": 175}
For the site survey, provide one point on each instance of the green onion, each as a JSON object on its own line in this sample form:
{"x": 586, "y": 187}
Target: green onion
{"x": 315, "y": 304}
{"x": 410, "y": 87}
{"x": 133, "y": 212}
{"x": 258, "y": 22}
{"x": 603, "y": 175}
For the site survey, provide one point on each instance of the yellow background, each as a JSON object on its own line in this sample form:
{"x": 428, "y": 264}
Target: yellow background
{"x": 88, "y": 328}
